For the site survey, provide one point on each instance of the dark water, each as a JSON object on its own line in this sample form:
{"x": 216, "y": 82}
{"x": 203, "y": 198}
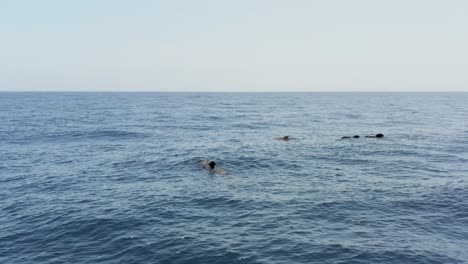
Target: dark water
{"x": 113, "y": 178}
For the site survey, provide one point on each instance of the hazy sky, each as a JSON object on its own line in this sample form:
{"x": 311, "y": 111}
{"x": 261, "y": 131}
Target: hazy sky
{"x": 234, "y": 45}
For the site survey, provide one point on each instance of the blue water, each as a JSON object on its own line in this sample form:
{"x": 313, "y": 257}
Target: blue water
{"x": 114, "y": 178}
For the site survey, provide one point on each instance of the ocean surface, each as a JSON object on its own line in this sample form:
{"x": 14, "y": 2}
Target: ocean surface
{"x": 115, "y": 178}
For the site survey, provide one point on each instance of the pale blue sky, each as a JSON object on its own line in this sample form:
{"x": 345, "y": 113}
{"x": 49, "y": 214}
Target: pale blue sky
{"x": 234, "y": 45}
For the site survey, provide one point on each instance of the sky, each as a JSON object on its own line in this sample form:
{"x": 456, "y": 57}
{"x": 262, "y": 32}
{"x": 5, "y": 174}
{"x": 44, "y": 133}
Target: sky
{"x": 234, "y": 45}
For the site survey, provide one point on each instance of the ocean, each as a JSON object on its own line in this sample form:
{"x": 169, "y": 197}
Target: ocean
{"x": 116, "y": 178}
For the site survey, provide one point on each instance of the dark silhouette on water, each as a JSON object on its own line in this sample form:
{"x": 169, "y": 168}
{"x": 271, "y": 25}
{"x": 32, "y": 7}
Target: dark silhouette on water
{"x": 355, "y": 136}
{"x": 211, "y": 166}
{"x": 375, "y": 136}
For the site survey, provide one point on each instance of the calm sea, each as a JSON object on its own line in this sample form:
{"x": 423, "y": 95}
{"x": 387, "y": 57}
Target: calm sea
{"x": 114, "y": 178}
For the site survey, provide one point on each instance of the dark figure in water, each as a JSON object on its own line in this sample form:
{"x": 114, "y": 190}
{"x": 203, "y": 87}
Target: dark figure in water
{"x": 375, "y": 136}
{"x": 285, "y": 138}
{"x": 211, "y": 166}
{"x": 355, "y": 136}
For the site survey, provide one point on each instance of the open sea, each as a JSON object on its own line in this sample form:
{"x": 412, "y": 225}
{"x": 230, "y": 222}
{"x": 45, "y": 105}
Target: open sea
{"x": 115, "y": 178}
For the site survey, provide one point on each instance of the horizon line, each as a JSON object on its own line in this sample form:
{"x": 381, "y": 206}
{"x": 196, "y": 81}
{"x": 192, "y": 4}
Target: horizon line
{"x": 146, "y": 91}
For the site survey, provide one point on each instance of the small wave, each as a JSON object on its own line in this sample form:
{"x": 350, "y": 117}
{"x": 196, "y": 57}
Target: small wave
{"x": 73, "y": 136}
{"x": 223, "y": 201}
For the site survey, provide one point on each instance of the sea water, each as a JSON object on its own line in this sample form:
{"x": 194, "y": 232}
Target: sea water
{"x": 115, "y": 178}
